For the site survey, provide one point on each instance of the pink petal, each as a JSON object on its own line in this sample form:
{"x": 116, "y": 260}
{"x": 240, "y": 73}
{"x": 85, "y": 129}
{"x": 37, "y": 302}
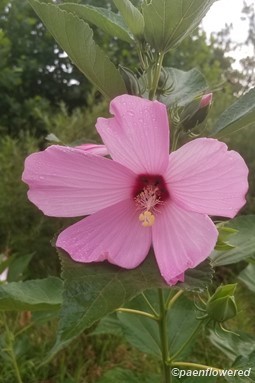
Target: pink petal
{"x": 138, "y": 134}
{"x": 181, "y": 240}
{"x": 114, "y": 234}
{"x": 68, "y": 182}
{"x": 99, "y": 150}
{"x": 203, "y": 176}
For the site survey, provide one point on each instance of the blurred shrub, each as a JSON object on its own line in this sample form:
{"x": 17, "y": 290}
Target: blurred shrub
{"x": 243, "y": 142}
{"x": 23, "y": 228}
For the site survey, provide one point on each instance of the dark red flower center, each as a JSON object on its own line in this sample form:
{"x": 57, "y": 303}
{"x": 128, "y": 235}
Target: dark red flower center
{"x": 149, "y": 193}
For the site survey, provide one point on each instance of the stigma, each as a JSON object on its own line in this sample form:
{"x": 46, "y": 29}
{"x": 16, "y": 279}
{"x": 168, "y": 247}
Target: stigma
{"x": 149, "y": 194}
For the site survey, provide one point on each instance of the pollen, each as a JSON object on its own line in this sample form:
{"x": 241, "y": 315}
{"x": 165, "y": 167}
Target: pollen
{"x": 147, "y": 218}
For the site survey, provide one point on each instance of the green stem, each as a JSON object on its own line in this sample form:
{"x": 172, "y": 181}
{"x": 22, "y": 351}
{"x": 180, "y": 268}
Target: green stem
{"x": 137, "y": 312}
{"x": 156, "y": 77}
{"x": 11, "y": 351}
{"x": 163, "y": 337}
{"x": 172, "y": 299}
{"x": 195, "y": 365}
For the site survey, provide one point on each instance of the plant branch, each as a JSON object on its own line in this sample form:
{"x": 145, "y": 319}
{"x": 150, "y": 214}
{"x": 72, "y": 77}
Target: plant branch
{"x": 137, "y": 312}
{"x": 171, "y": 300}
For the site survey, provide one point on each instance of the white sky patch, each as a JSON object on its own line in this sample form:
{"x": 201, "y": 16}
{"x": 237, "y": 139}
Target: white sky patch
{"x": 229, "y": 12}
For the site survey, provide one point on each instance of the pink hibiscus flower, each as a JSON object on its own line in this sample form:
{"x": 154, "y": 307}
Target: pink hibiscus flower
{"x": 143, "y": 196}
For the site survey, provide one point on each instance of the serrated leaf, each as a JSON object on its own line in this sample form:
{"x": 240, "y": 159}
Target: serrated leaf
{"x": 184, "y": 86}
{"x": 104, "y": 19}
{"x": 131, "y": 15}
{"x": 247, "y": 276}
{"x": 168, "y": 22}
{"x": 94, "y": 290}
{"x": 34, "y": 295}
{"x": 243, "y": 242}
{"x": 76, "y": 38}
{"x": 143, "y": 332}
{"x": 238, "y": 116}
{"x": 198, "y": 279}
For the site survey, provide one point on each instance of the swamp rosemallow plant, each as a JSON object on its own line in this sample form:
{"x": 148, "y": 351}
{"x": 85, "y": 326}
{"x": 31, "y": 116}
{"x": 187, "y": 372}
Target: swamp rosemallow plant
{"x": 142, "y": 196}
{"x": 136, "y": 196}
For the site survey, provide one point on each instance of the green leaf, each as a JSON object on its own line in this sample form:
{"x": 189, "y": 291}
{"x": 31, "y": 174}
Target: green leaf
{"x": 127, "y": 376}
{"x": 247, "y": 276}
{"x": 246, "y": 366}
{"x": 168, "y": 22}
{"x": 233, "y": 345}
{"x": 143, "y": 332}
{"x": 104, "y": 19}
{"x": 91, "y": 291}
{"x": 94, "y": 290}
{"x": 131, "y": 15}
{"x": 76, "y": 38}
{"x": 183, "y": 323}
{"x": 238, "y": 116}
{"x": 243, "y": 242}
{"x": 224, "y": 234}
{"x": 34, "y": 295}
{"x": 184, "y": 86}
{"x": 18, "y": 266}
{"x": 110, "y": 324}
{"x": 198, "y": 279}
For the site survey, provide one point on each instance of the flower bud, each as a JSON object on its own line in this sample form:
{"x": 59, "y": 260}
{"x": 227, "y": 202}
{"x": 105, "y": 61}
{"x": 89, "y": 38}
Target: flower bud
{"x": 221, "y": 305}
{"x": 206, "y": 100}
{"x": 196, "y": 112}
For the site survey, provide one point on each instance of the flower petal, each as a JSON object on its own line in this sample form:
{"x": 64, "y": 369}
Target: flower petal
{"x": 68, "y": 182}
{"x": 114, "y": 234}
{"x": 99, "y": 150}
{"x": 181, "y": 240}
{"x": 203, "y": 176}
{"x": 138, "y": 134}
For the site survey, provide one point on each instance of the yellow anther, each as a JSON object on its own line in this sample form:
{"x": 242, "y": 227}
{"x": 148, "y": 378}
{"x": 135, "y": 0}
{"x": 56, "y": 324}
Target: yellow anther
{"x": 147, "y": 218}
